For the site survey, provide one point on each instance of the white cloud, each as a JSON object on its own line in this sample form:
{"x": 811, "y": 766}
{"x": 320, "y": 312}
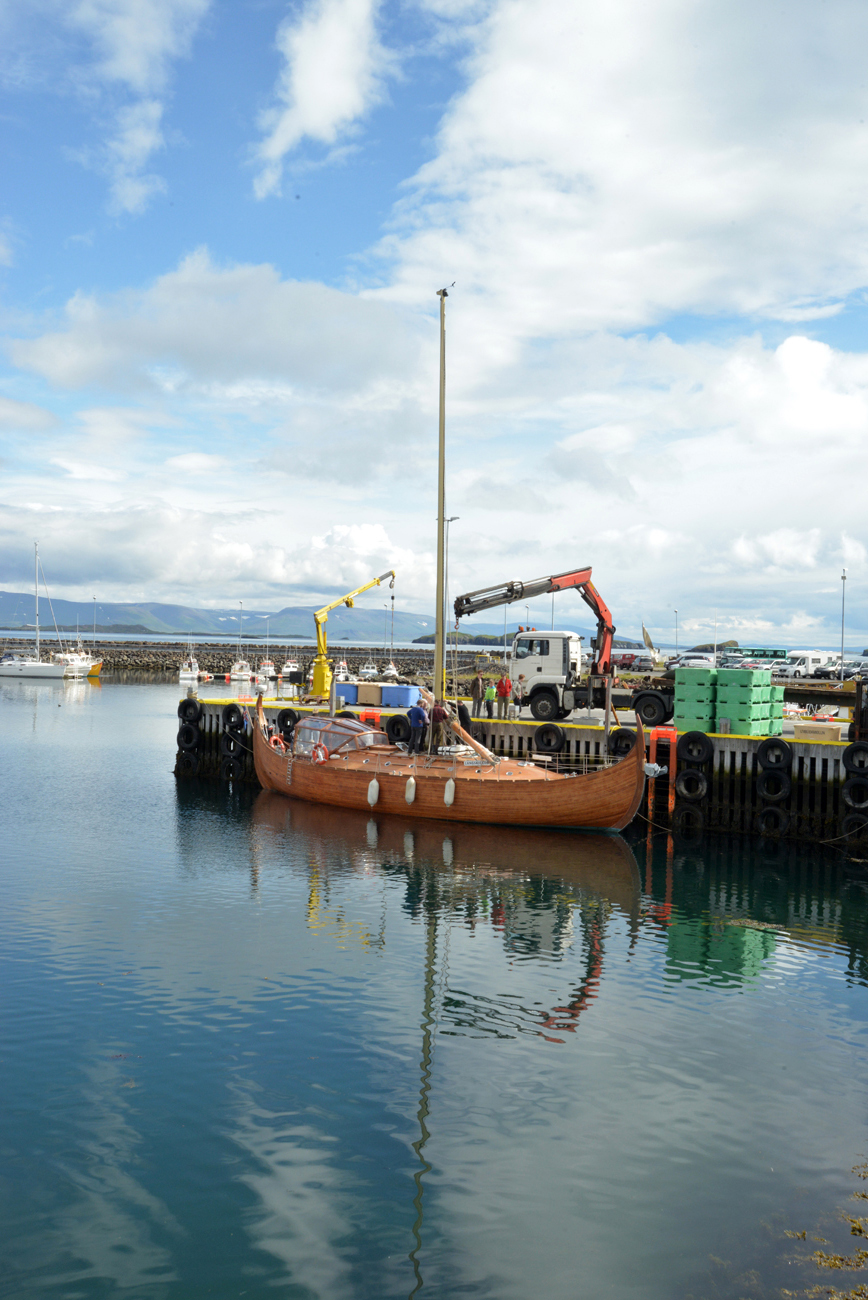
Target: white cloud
{"x": 5, "y": 251}
{"x": 138, "y": 136}
{"x": 136, "y": 40}
{"x": 213, "y": 326}
{"x": 24, "y": 416}
{"x": 610, "y": 165}
{"x": 334, "y": 70}
{"x": 135, "y": 43}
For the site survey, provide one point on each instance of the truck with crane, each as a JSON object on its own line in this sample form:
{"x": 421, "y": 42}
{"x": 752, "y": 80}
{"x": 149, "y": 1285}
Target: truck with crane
{"x": 552, "y": 661}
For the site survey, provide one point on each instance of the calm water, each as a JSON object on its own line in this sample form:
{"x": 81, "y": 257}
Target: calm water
{"x": 256, "y": 1049}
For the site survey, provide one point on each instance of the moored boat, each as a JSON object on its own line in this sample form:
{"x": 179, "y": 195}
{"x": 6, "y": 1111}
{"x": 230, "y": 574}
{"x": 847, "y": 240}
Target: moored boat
{"x": 343, "y": 762}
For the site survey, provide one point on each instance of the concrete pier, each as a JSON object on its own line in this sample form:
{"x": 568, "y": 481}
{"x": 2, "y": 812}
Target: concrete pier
{"x": 721, "y": 786}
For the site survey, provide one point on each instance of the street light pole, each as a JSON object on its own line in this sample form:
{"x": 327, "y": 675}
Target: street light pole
{"x": 843, "y": 590}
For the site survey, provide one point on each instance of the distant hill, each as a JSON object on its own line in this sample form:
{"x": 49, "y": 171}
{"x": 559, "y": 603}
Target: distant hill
{"x": 366, "y": 621}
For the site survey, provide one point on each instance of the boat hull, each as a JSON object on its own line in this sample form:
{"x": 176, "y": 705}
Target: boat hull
{"x": 509, "y": 794}
{"x": 36, "y": 668}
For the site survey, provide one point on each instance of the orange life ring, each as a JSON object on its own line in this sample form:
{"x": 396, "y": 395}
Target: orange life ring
{"x": 319, "y": 754}
{"x": 276, "y": 742}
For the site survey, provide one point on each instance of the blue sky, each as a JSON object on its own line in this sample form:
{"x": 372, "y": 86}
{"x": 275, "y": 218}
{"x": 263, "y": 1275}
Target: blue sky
{"x": 221, "y": 232}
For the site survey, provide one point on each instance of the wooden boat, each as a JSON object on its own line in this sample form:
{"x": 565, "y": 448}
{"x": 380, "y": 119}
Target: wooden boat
{"x": 343, "y": 762}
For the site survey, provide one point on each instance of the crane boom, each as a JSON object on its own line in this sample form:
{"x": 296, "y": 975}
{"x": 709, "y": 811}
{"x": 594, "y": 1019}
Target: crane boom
{"x": 505, "y": 593}
{"x": 321, "y": 672}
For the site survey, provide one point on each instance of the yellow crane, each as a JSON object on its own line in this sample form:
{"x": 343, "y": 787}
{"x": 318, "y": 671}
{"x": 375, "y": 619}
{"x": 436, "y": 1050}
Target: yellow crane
{"x": 322, "y": 673}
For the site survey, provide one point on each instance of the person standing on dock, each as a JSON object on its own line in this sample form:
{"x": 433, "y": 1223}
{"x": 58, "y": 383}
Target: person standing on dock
{"x": 504, "y": 690}
{"x": 418, "y": 719}
{"x": 477, "y": 693}
{"x": 439, "y": 719}
{"x": 490, "y": 697}
{"x": 520, "y": 691}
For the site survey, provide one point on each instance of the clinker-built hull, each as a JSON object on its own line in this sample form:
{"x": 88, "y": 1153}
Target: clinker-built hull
{"x": 504, "y": 793}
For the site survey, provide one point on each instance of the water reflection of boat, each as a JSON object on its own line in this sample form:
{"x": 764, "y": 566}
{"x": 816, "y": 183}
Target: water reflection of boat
{"x": 603, "y": 864}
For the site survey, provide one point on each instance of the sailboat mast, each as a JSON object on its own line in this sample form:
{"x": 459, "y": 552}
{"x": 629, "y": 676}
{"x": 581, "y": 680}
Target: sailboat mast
{"x": 440, "y": 635}
{"x": 36, "y": 590}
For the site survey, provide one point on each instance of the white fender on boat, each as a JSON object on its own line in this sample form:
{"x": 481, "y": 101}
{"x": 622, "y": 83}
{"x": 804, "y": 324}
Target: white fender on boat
{"x": 373, "y": 792}
{"x": 449, "y": 793}
{"x": 410, "y": 789}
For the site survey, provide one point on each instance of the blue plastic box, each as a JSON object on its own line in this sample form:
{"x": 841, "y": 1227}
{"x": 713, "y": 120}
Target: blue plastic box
{"x": 349, "y": 690}
{"x": 400, "y": 697}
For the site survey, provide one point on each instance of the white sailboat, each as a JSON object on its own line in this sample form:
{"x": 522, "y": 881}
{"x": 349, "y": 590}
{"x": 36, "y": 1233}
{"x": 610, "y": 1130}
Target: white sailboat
{"x": 240, "y": 670}
{"x": 13, "y": 665}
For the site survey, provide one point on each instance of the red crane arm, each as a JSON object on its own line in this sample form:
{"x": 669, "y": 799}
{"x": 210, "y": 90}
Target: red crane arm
{"x": 580, "y": 579}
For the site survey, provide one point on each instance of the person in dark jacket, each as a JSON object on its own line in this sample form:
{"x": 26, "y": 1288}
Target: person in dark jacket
{"x": 418, "y": 718}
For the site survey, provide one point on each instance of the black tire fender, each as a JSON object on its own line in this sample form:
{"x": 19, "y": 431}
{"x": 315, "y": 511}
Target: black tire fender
{"x": 232, "y": 744}
{"x": 232, "y": 716}
{"x": 855, "y": 824}
{"x": 694, "y": 747}
{"x": 190, "y": 711}
{"x": 774, "y": 754}
{"x": 230, "y": 769}
{"x": 549, "y": 739}
{"x": 651, "y": 708}
{"x": 688, "y": 820}
{"x": 398, "y": 728}
{"x": 855, "y": 758}
{"x": 544, "y": 705}
{"x": 621, "y": 742}
{"x": 855, "y": 793}
{"x": 772, "y": 820}
{"x": 189, "y": 736}
{"x": 347, "y": 713}
{"x": 691, "y": 784}
{"x": 773, "y": 785}
{"x": 187, "y": 764}
{"x": 286, "y": 720}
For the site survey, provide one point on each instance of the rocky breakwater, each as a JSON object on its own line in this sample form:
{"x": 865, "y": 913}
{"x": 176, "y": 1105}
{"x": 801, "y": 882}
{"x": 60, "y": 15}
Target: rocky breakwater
{"x": 165, "y": 657}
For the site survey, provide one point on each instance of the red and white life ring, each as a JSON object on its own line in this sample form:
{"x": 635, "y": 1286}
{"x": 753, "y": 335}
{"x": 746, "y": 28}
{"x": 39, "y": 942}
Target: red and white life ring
{"x": 276, "y": 742}
{"x": 319, "y": 754}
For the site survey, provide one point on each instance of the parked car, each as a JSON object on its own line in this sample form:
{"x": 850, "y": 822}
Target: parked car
{"x": 828, "y": 671}
{"x": 644, "y": 664}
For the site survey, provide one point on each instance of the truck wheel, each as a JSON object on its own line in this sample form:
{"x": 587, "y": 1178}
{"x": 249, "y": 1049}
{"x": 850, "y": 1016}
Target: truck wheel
{"x": 650, "y": 710}
{"x": 544, "y": 706}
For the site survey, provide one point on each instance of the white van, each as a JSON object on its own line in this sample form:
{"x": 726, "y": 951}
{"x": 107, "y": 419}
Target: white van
{"x": 803, "y": 663}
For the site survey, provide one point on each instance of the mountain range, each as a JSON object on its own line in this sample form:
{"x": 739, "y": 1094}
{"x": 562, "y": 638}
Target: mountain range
{"x": 294, "y": 621}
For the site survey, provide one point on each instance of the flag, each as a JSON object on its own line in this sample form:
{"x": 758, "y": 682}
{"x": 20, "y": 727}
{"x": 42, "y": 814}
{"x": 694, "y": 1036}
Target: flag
{"x": 646, "y": 638}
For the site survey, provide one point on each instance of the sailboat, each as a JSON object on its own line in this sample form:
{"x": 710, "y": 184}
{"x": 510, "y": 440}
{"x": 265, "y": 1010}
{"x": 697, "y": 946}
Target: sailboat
{"x": 342, "y": 762}
{"x": 12, "y": 665}
{"x": 240, "y": 670}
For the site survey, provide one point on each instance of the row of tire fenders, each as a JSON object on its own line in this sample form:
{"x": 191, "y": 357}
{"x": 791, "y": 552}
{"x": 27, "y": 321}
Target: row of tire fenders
{"x": 773, "y": 783}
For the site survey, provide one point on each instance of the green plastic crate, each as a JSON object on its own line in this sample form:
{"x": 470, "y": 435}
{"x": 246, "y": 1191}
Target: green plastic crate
{"x": 775, "y": 726}
{"x": 702, "y": 696}
{"x": 745, "y": 712}
{"x": 742, "y": 677}
{"x": 738, "y": 695}
{"x": 689, "y": 722}
{"x": 695, "y": 677}
{"x": 776, "y": 694}
{"x": 760, "y": 727}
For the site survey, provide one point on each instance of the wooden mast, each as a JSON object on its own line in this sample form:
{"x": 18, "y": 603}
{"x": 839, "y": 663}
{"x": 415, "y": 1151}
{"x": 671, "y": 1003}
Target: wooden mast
{"x": 440, "y": 634}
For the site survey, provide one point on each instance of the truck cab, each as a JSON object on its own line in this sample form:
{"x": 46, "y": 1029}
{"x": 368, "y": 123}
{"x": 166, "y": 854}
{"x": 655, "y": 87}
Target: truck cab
{"x": 552, "y": 664}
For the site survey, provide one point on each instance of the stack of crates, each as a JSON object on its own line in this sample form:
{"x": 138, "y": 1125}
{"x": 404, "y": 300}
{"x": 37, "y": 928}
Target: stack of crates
{"x": 695, "y": 698}
{"x": 750, "y": 703}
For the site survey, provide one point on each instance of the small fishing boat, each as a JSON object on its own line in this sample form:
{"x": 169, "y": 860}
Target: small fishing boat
{"x": 79, "y": 661}
{"x": 342, "y": 672}
{"x": 369, "y": 671}
{"x": 390, "y": 673}
{"x": 241, "y": 671}
{"x": 290, "y": 666}
{"x": 266, "y": 669}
